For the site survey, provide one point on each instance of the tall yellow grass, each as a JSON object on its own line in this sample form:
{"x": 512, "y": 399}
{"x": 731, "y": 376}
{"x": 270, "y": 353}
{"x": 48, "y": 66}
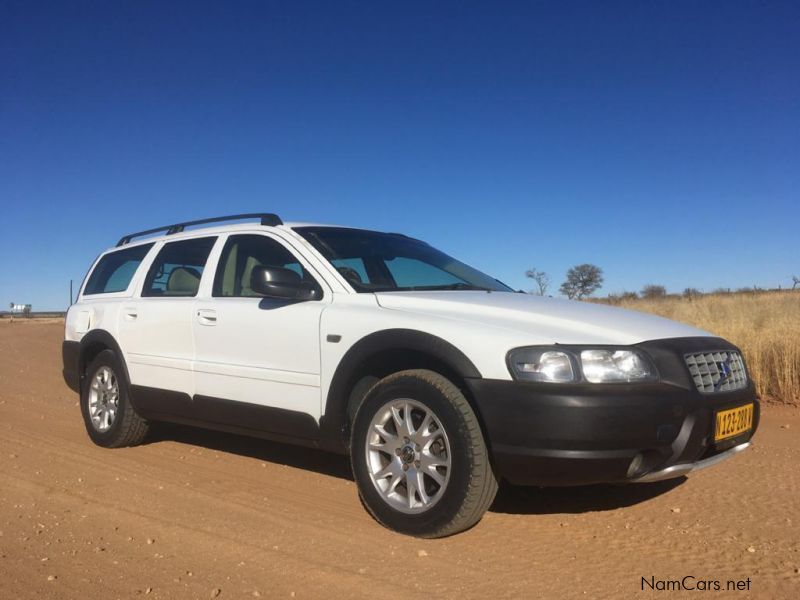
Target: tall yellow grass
{"x": 765, "y": 325}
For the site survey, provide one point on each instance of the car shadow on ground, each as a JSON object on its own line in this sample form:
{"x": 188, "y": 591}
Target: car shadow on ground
{"x": 308, "y": 459}
{"x": 510, "y": 499}
{"x": 518, "y": 500}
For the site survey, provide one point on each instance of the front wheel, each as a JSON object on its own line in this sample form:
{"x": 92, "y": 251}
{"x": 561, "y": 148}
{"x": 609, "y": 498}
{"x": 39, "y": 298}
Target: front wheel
{"x": 419, "y": 457}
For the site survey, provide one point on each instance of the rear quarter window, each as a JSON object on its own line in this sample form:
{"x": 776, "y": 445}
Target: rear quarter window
{"x": 115, "y": 270}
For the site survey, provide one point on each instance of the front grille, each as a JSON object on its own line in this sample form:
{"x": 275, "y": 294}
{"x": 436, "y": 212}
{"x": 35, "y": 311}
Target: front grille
{"x": 717, "y": 371}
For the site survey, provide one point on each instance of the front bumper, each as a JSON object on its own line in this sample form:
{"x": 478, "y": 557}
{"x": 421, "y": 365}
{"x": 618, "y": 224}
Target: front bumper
{"x": 686, "y": 468}
{"x": 575, "y": 434}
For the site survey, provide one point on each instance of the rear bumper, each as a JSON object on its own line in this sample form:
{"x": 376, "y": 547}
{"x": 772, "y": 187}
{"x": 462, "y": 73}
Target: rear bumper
{"x": 576, "y": 434}
{"x": 70, "y": 354}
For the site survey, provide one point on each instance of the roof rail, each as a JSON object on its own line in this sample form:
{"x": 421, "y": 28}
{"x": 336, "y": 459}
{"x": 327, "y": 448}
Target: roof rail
{"x": 268, "y": 219}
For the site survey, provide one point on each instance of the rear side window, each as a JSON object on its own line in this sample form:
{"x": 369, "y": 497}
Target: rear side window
{"x": 115, "y": 270}
{"x": 177, "y": 269}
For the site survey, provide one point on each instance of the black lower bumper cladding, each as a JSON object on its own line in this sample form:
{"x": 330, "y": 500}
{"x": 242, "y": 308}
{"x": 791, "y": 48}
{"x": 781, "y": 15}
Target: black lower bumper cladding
{"x": 575, "y": 434}
{"x": 70, "y": 354}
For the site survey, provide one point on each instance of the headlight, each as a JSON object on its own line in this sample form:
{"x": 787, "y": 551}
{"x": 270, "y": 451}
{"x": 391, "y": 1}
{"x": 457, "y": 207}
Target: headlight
{"x": 573, "y": 365}
{"x": 607, "y": 366}
{"x": 542, "y": 364}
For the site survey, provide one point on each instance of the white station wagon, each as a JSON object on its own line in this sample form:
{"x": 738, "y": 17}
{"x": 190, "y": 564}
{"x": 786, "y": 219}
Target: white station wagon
{"x": 436, "y": 379}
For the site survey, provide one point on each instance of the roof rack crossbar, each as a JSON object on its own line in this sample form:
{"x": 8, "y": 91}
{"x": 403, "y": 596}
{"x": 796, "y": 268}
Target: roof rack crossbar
{"x": 267, "y": 219}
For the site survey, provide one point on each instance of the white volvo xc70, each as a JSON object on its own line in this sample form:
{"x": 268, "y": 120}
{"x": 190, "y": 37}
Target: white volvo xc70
{"x": 435, "y": 378}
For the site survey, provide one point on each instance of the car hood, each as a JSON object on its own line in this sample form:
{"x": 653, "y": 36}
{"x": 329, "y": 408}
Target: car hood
{"x": 543, "y": 320}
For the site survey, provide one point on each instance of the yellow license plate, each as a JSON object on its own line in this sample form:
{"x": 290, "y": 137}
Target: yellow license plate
{"x": 733, "y": 422}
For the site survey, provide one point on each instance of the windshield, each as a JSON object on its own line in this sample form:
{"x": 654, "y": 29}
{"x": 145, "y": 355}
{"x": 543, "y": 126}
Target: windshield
{"x": 387, "y": 262}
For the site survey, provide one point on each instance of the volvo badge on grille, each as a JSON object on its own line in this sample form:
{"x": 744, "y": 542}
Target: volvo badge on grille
{"x": 724, "y": 372}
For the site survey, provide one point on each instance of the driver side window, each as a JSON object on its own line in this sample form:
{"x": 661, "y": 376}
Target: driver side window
{"x": 241, "y": 255}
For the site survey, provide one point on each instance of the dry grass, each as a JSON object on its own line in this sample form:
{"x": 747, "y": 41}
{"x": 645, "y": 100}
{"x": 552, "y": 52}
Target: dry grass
{"x": 766, "y": 326}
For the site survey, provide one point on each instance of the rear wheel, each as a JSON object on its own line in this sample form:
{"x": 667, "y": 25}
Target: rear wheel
{"x": 419, "y": 457}
{"x": 108, "y": 414}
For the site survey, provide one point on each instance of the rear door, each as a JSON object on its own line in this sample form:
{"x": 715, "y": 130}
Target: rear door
{"x": 258, "y": 360}
{"x": 155, "y": 327}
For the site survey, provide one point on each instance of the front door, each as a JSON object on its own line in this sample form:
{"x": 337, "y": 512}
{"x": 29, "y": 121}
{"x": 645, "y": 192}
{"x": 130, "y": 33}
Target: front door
{"x": 257, "y": 360}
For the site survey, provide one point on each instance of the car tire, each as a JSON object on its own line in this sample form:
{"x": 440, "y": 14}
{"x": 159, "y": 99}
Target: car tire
{"x": 108, "y": 415}
{"x": 419, "y": 457}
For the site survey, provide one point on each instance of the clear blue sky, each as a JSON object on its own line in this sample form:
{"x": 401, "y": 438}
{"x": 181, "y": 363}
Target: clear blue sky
{"x": 659, "y": 140}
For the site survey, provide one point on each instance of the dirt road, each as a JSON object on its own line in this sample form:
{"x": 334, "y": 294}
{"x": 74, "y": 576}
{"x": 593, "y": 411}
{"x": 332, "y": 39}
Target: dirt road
{"x": 194, "y": 514}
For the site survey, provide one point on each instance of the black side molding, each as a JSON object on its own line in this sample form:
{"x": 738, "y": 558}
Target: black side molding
{"x": 225, "y": 415}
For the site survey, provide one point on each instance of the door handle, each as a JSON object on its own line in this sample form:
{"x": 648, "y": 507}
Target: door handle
{"x": 207, "y": 316}
{"x": 130, "y": 313}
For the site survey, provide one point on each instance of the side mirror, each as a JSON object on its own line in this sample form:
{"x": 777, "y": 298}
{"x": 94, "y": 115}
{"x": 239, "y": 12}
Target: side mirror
{"x": 277, "y": 282}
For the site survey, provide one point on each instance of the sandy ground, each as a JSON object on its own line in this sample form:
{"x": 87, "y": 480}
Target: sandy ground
{"x": 194, "y": 514}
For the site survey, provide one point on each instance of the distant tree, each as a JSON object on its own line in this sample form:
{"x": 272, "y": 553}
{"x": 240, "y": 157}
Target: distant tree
{"x": 629, "y": 296}
{"x": 795, "y": 281}
{"x": 26, "y": 310}
{"x": 582, "y": 280}
{"x": 541, "y": 278}
{"x": 652, "y": 290}
{"x": 691, "y": 292}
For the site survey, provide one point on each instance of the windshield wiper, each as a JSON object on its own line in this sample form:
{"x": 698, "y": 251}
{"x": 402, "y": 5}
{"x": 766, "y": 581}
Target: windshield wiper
{"x": 461, "y": 285}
